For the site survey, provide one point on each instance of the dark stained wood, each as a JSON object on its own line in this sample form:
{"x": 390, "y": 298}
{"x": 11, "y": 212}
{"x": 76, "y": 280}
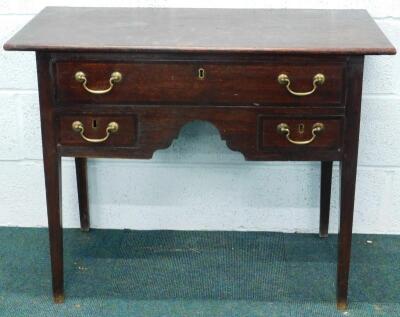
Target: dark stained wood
{"x": 194, "y": 30}
{"x": 325, "y": 198}
{"x": 348, "y": 172}
{"x": 82, "y": 184}
{"x": 240, "y": 127}
{"x": 159, "y": 52}
{"x": 52, "y": 172}
{"x": 159, "y": 82}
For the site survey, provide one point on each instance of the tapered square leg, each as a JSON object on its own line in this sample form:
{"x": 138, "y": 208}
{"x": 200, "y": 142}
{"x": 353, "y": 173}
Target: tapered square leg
{"x": 52, "y": 163}
{"x": 52, "y": 173}
{"x": 348, "y": 170}
{"x": 348, "y": 173}
{"x": 81, "y": 179}
{"x": 325, "y": 198}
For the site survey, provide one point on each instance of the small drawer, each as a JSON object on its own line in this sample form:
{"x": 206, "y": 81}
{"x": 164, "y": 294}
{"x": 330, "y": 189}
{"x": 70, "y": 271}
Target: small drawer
{"x": 299, "y": 133}
{"x": 98, "y": 130}
{"x": 197, "y": 83}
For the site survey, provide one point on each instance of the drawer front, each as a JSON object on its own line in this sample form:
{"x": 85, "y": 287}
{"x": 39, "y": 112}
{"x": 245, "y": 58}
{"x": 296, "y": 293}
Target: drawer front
{"x": 300, "y": 134}
{"x": 191, "y": 83}
{"x": 98, "y": 130}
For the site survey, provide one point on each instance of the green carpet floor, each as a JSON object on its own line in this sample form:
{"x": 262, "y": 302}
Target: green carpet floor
{"x": 177, "y": 273}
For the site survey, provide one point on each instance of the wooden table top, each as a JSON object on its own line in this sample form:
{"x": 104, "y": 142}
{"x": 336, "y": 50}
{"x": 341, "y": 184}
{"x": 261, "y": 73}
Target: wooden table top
{"x": 275, "y": 31}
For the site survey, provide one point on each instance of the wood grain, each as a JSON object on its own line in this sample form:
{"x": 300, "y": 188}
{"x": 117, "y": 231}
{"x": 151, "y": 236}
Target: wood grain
{"x": 240, "y": 127}
{"x": 279, "y": 31}
{"x": 173, "y": 82}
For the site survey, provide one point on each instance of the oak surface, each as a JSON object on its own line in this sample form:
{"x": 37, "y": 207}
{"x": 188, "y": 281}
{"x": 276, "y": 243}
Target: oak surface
{"x": 277, "y": 31}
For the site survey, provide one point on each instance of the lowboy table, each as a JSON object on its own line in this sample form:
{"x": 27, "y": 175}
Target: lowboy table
{"x": 277, "y": 84}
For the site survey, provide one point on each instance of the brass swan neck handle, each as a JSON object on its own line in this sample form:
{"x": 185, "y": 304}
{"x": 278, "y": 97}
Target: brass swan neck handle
{"x": 318, "y": 79}
{"x": 317, "y": 128}
{"x": 115, "y": 77}
{"x": 112, "y": 127}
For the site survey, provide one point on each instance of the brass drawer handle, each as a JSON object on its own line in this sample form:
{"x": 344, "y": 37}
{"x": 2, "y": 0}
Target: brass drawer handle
{"x": 318, "y": 79}
{"x": 112, "y": 127}
{"x": 116, "y": 77}
{"x": 317, "y": 128}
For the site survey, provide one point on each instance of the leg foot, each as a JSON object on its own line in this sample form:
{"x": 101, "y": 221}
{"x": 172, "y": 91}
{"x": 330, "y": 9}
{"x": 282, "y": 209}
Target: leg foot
{"x": 341, "y": 304}
{"x": 58, "y": 298}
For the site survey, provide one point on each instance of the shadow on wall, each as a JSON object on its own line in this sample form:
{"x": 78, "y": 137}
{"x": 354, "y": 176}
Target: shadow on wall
{"x": 207, "y": 175}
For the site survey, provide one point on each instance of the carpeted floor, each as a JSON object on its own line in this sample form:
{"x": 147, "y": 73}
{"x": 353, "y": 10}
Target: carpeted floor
{"x": 176, "y": 273}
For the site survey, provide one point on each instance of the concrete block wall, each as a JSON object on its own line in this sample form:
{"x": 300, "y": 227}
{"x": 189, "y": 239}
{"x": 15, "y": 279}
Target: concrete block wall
{"x": 198, "y": 183}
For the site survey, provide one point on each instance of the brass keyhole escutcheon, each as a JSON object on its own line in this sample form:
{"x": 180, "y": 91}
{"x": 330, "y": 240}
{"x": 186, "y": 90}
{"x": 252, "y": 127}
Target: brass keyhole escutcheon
{"x": 94, "y": 124}
{"x": 301, "y": 128}
{"x": 201, "y": 73}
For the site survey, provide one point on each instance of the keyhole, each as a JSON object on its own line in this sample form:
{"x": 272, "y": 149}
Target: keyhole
{"x": 94, "y": 124}
{"x": 301, "y": 128}
{"x": 201, "y": 73}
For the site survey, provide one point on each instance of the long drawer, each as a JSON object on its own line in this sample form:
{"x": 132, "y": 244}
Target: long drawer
{"x": 198, "y": 83}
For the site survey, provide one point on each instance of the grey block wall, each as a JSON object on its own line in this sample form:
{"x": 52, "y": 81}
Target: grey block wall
{"x": 198, "y": 183}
